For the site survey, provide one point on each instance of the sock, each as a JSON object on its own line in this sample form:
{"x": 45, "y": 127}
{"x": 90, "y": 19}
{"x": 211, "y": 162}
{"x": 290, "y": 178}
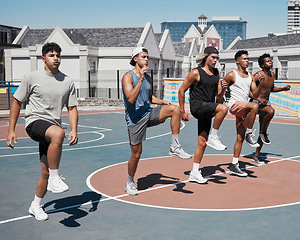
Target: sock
{"x": 214, "y": 132}
{"x": 196, "y": 167}
{"x": 175, "y": 140}
{"x": 248, "y": 130}
{"x": 235, "y": 160}
{"x": 53, "y": 173}
{"x": 37, "y": 200}
{"x": 130, "y": 179}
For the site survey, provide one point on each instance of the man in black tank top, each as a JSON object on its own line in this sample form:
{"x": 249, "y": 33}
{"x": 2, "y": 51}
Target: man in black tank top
{"x": 205, "y": 86}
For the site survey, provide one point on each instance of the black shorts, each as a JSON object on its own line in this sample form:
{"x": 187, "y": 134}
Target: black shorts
{"x": 36, "y": 130}
{"x": 200, "y": 109}
{"x": 204, "y": 112}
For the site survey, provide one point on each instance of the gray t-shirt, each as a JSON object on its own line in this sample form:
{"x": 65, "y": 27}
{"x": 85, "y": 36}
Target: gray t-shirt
{"x": 46, "y": 95}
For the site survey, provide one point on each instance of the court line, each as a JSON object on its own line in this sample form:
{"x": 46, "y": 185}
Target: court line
{"x": 66, "y": 144}
{"x": 152, "y": 189}
{"x": 89, "y": 147}
{"x": 172, "y": 184}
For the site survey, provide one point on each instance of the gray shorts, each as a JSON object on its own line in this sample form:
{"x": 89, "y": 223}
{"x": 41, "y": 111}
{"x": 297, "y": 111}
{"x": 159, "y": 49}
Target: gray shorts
{"x": 137, "y": 132}
{"x": 260, "y": 106}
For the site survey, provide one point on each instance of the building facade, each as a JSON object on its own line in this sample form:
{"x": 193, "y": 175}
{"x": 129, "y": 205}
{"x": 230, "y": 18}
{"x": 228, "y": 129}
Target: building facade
{"x": 177, "y": 29}
{"x": 7, "y": 36}
{"x": 293, "y": 16}
{"x": 228, "y": 27}
{"x": 96, "y": 58}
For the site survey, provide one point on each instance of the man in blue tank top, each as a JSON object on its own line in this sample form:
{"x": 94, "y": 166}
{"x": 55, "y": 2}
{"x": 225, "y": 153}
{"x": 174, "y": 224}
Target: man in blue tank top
{"x": 139, "y": 115}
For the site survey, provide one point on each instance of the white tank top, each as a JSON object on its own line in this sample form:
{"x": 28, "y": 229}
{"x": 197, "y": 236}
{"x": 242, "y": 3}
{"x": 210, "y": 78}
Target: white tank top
{"x": 239, "y": 91}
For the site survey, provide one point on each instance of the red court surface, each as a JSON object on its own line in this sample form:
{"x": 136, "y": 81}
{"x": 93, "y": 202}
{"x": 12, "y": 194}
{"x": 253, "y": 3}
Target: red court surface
{"x": 163, "y": 182}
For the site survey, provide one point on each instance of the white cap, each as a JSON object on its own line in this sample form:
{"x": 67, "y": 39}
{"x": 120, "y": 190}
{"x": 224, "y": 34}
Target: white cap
{"x": 136, "y": 51}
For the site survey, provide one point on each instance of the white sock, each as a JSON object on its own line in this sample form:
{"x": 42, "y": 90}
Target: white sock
{"x": 37, "y": 200}
{"x": 130, "y": 179}
{"x": 53, "y": 173}
{"x": 196, "y": 167}
{"x": 214, "y": 132}
{"x": 175, "y": 140}
{"x": 235, "y": 160}
{"x": 248, "y": 130}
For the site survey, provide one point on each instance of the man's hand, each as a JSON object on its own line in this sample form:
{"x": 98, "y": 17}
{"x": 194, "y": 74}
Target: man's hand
{"x": 143, "y": 71}
{"x": 184, "y": 116}
{"x": 166, "y": 102}
{"x": 224, "y": 85}
{"x": 10, "y": 137}
{"x": 262, "y": 101}
{"x": 73, "y": 138}
{"x": 287, "y": 88}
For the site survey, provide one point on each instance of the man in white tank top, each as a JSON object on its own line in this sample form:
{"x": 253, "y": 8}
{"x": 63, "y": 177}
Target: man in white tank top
{"x": 241, "y": 83}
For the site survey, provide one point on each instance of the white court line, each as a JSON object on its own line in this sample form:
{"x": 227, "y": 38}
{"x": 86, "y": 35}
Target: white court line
{"x": 89, "y": 147}
{"x": 152, "y": 189}
{"x": 172, "y": 184}
{"x": 66, "y": 144}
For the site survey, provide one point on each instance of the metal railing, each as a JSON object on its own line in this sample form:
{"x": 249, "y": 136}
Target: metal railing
{"x": 6, "y": 93}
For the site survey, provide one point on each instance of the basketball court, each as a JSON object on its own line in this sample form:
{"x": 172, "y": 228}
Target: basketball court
{"x": 264, "y": 205}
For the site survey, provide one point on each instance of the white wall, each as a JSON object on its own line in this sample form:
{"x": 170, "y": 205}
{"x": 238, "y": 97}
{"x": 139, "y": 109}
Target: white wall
{"x": 20, "y": 67}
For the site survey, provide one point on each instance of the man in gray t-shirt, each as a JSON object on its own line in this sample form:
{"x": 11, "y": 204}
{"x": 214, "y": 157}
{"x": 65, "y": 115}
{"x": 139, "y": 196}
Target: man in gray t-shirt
{"x": 46, "y": 92}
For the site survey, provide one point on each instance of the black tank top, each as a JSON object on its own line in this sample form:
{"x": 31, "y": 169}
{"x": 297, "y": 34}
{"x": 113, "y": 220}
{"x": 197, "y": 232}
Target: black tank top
{"x": 206, "y": 89}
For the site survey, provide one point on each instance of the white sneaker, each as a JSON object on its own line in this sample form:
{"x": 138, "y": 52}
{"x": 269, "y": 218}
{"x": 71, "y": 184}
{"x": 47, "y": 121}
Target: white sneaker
{"x": 38, "y": 212}
{"x": 130, "y": 188}
{"x": 56, "y": 185}
{"x": 215, "y": 143}
{"x": 197, "y": 177}
{"x": 249, "y": 138}
{"x": 178, "y": 152}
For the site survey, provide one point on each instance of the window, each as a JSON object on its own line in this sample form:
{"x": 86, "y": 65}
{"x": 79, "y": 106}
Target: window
{"x": 283, "y": 73}
{"x": 250, "y": 67}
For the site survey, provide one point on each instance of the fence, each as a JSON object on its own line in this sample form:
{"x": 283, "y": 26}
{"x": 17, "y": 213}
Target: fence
{"x": 7, "y": 89}
{"x": 107, "y": 84}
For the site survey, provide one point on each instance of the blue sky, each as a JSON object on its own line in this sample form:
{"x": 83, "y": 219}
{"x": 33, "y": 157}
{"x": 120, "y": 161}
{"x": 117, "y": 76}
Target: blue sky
{"x": 263, "y": 16}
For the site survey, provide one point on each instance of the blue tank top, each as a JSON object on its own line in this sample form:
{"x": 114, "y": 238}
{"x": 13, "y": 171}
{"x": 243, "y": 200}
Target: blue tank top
{"x": 141, "y": 107}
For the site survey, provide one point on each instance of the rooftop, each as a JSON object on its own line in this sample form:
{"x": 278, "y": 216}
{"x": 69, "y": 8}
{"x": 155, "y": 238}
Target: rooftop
{"x": 97, "y": 37}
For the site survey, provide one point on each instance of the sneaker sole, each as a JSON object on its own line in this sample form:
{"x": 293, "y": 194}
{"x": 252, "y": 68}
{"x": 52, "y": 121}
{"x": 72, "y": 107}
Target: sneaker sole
{"x": 258, "y": 162}
{"x": 256, "y": 145}
{"x": 265, "y": 142}
{"x": 176, "y": 155}
{"x": 239, "y": 174}
{"x": 39, "y": 219}
{"x": 191, "y": 179}
{"x": 219, "y": 149}
{"x": 56, "y": 192}
{"x": 131, "y": 194}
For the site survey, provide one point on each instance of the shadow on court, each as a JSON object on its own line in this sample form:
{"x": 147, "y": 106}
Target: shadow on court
{"x": 156, "y": 178}
{"x": 263, "y": 155}
{"x": 73, "y": 207}
{"x": 212, "y": 172}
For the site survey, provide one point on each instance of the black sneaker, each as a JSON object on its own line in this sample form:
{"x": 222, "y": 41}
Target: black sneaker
{"x": 264, "y": 138}
{"x": 234, "y": 169}
{"x": 258, "y": 160}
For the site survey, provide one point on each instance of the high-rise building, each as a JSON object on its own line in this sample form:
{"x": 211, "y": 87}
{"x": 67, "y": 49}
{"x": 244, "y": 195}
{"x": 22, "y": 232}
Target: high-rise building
{"x": 177, "y": 29}
{"x": 228, "y": 27}
{"x": 293, "y": 16}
